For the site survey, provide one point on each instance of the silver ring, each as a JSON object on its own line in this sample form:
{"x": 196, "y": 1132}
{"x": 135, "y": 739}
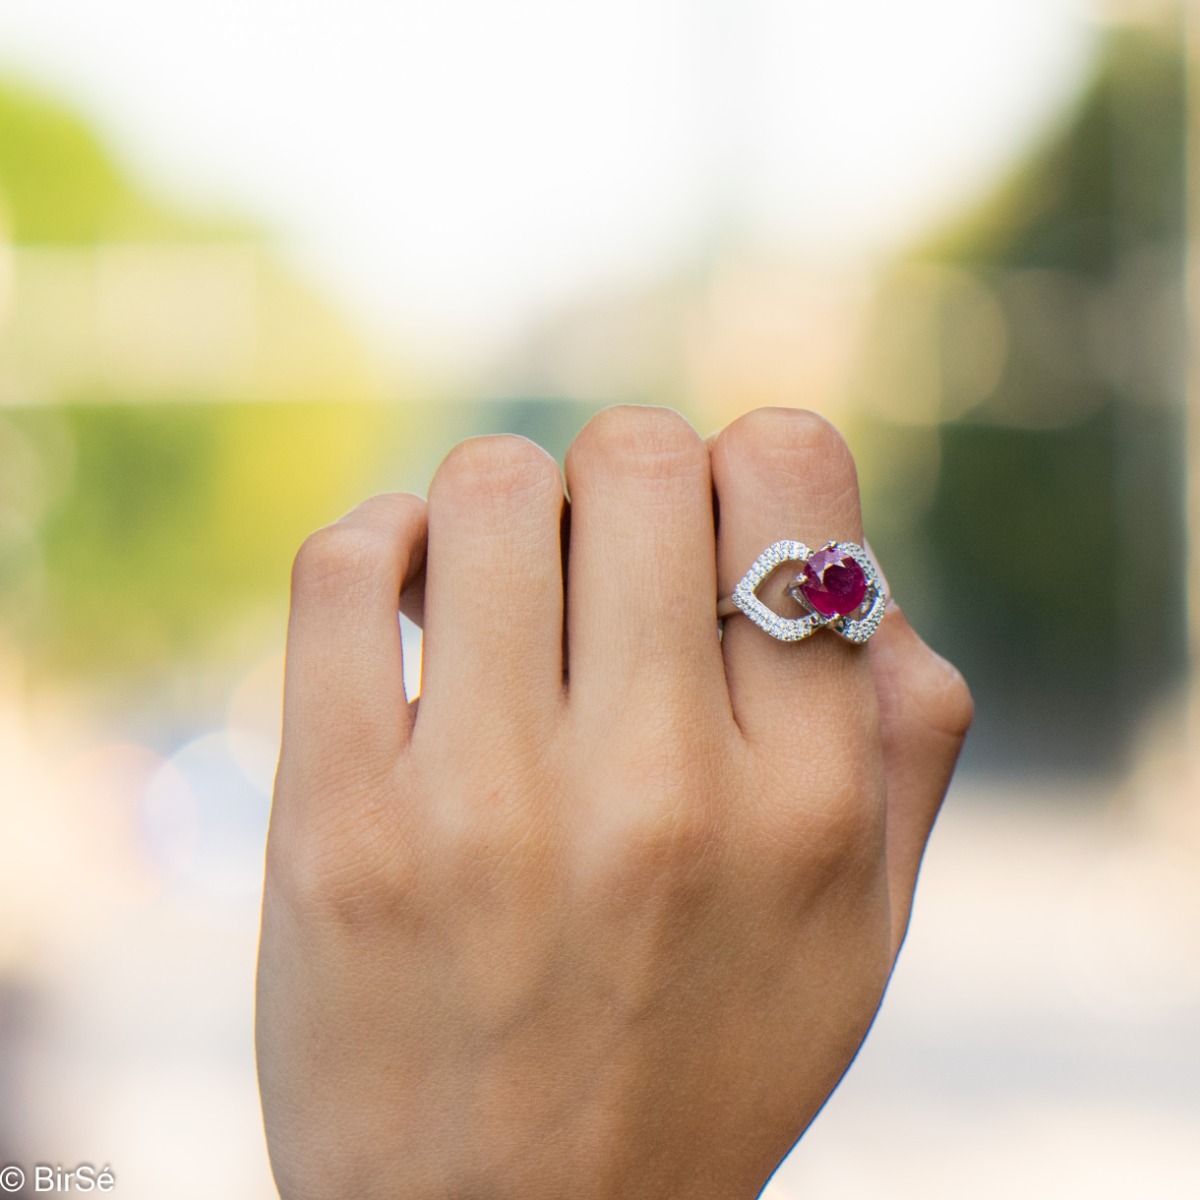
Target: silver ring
{"x": 838, "y": 587}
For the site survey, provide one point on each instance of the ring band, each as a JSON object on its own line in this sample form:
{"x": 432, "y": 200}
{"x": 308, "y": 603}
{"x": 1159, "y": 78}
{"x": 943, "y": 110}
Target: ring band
{"x": 838, "y": 587}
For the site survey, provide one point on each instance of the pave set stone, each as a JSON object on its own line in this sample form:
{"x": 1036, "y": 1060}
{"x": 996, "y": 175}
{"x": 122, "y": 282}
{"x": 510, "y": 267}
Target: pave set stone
{"x": 837, "y": 584}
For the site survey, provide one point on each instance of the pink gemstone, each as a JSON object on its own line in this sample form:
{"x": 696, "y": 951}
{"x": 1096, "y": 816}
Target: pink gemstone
{"x": 833, "y": 582}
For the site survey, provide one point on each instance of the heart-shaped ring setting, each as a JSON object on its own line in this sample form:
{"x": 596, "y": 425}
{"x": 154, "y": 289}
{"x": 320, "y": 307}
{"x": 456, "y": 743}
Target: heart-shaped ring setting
{"x": 837, "y": 586}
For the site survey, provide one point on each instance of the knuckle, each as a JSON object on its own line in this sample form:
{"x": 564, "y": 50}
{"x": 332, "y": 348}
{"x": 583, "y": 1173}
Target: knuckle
{"x": 946, "y": 701}
{"x": 492, "y": 825}
{"x": 920, "y": 691}
{"x": 825, "y": 833}
{"x": 664, "y": 847}
{"x": 496, "y": 468}
{"x": 339, "y": 555}
{"x": 849, "y": 826}
{"x": 795, "y": 444}
{"x": 491, "y": 855}
{"x": 344, "y": 874}
{"x": 667, "y": 827}
{"x": 403, "y": 508}
{"x": 639, "y": 440}
{"x": 673, "y": 828}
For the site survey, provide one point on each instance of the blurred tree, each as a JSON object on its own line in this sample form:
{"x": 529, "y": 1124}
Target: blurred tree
{"x": 1055, "y": 534}
{"x": 177, "y": 521}
{"x": 60, "y": 185}
{"x": 141, "y": 521}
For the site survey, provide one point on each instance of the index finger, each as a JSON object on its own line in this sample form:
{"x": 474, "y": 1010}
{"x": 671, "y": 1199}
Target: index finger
{"x": 344, "y": 702}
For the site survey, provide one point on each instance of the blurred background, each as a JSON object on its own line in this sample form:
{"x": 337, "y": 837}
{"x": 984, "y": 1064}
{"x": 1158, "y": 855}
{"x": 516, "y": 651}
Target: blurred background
{"x": 258, "y": 261}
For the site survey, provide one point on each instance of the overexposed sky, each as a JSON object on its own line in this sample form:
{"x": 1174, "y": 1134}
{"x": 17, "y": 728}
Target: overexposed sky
{"x": 455, "y": 168}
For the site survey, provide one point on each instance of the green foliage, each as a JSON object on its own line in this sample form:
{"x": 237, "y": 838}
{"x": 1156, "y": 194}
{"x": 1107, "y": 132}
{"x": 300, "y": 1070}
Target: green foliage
{"x": 60, "y": 184}
{"x": 136, "y": 537}
{"x": 176, "y": 520}
{"x": 1056, "y": 530}
{"x": 1111, "y": 171}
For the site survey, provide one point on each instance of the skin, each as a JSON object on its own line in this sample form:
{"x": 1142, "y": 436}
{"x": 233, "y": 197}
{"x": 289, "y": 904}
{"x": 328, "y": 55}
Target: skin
{"x": 609, "y": 911}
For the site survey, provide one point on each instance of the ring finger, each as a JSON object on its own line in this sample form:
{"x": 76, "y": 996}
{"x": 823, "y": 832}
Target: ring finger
{"x": 786, "y": 474}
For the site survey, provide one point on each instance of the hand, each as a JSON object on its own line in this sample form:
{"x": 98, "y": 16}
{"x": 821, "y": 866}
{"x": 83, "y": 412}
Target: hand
{"x": 611, "y": 913}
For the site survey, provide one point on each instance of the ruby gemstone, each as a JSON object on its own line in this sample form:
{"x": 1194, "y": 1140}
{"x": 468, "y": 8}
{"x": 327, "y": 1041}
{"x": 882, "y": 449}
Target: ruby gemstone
{"x": 833, "y": 582}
